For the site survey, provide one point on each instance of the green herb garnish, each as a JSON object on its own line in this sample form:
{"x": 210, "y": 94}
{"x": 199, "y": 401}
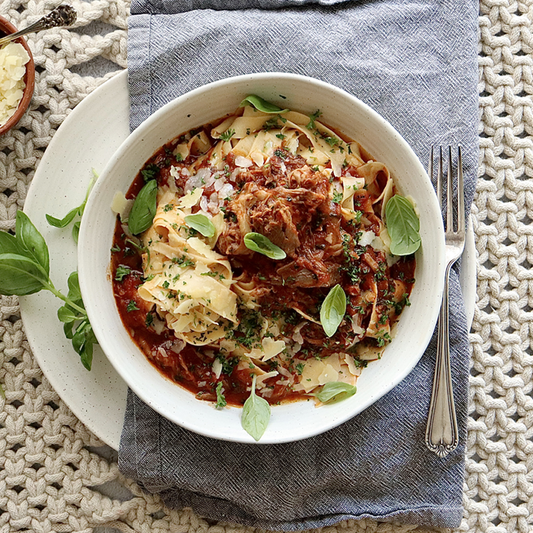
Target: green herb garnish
{"x": 150, "y": 172}
{"x": 25, "y": 268}
{"x": 337, "y": 197}
{"x": 144, "y": 208}
{"x": 402, "y": 225}
{"x": 132, "y": 306}
{"x": 227, "y": 135}
{"x": 201, "y": 224}
{"x": 263, "y": 245}
{"x": 121, "y": 272}
{"x": 335, "y": 391}
{"x": 73, "y": 213}
{"x": 332, "y": 310}
{"x": 221, "y": 400}
{"x": 312, "y": 118}
{"x": 255, "y": 414}
{"x": 261, "y": 105}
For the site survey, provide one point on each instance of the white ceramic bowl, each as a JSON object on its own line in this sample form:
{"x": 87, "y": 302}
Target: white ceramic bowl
{"x": 340, "y": 110}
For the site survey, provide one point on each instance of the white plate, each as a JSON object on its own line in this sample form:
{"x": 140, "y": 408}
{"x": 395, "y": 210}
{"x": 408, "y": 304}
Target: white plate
{"x": 87, "y": 139}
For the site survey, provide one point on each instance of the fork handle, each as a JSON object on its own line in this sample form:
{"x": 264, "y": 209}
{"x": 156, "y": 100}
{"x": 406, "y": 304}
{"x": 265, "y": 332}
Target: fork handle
{"x": 63, "y": 15}
{"x": 442, "y": 436}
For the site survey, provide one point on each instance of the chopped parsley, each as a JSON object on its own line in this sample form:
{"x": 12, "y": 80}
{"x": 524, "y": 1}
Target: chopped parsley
{"x": 281, "y": 154}
{"x": 383, "y": 338}
{"x": 337, "y": 197}
{"x": 270, "y": 124}
{"x": 228, "y": 363}
{"x": 360, "y": 363}
{"x": 149, "y": 321}
{"x": 227, "y": 135}
{"x": 150, "y": 172}
{"x": 213, "y": 275}
{"x": 221, "y": 400}
{"x": 182, "y": 261}
{"x": 132, "y": 306}
{"x": 121, "y": 272}
{"x": 311, "y": 125}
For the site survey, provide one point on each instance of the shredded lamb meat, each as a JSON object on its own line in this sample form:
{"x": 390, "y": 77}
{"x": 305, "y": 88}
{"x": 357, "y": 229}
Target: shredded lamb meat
{"x": 280, "y": 206}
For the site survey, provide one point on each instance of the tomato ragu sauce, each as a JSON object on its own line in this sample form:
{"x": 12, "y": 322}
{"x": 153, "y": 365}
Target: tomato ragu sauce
{"x": 325, "y": 219}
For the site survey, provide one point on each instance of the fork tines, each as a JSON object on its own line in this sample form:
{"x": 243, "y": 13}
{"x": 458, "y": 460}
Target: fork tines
{"x": 449, "y": 186}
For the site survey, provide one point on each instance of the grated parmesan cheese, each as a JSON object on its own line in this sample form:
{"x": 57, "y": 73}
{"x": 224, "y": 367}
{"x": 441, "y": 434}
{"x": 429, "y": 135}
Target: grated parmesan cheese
{"x": 13, "y": 57}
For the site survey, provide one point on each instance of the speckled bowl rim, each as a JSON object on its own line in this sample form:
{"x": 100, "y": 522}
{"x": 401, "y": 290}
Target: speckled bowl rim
{"x": 7, "y": 28}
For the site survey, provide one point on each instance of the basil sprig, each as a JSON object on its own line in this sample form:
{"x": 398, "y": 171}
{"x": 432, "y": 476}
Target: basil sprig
{"x": 332, "y": 310}
{"x": 255, "y": 414}
{"x": 73, "y": 213}
{"x": 263, "y": 245}
{"x": 261, "y": 105}
{"x": 144, "y": 208}
{"x": 402, "y": 226}
{"x": 76, "y": 324}
{"x": 201, "y": 224}
{"x": 24, "y": 269}
{"x": 335, "y": 391}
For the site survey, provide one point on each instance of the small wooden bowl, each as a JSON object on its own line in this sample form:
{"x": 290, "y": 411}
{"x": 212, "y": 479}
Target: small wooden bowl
{"x": 6, "y": 28}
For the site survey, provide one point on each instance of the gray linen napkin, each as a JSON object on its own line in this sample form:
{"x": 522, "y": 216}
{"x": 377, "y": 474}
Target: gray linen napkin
{"x": 415, "y": 62}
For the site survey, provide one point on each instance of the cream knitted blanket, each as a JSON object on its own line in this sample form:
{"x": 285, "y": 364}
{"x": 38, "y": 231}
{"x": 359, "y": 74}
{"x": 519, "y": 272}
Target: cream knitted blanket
{"x": 55, "y": 476}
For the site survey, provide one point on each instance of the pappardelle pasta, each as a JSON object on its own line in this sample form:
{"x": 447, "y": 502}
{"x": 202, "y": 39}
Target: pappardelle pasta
{"x": 252, "y": 257}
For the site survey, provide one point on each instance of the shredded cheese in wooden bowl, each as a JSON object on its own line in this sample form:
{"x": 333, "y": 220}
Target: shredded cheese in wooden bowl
{"x": 13, "y": 58}
{"x": 17, "y": 78}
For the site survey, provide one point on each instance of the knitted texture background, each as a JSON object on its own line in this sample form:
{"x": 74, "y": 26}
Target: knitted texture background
{"x": 55, "y": 476}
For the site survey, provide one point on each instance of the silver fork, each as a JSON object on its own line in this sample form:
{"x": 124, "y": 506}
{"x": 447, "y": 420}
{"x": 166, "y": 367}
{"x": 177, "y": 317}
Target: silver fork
{"x": 63, "y": 15}
{"x": 442, "y": 435}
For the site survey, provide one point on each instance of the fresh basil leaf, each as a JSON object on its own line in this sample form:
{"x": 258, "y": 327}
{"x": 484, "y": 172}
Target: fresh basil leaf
{"x": 333, "y": 310}
{"x": 10, "y": 245}
{"x": 144, "y": 208}
{"x": 83, "y": 341}
{"x": 402, "y": 226}
{"x": 71, "y": 215}
{"x": 86, "y": 355}
{"x": 20, "y": 275}
{"x": 74, "y": 292}
{"x": 80, "y": 337}
{"x": 66, "y": 314}
{"x": 201, "y": 224}
{"x": 62, "y": 222}
{"x": 81, "y": 208}
{"x": 255, "y": 414}
{"x": 261, "y": 244}
{"x": 335, "y": 391}
{"x": 32, "y": 241}
{"x": 76, "y": 231}
{"x": 68, "y": 330}
{"x": 261, "y": 105}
